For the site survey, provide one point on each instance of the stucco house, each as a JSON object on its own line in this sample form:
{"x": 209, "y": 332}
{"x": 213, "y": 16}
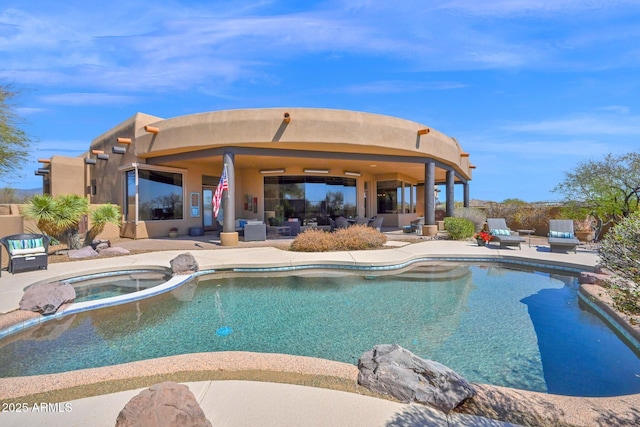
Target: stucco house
{"x": 301, "y": 164}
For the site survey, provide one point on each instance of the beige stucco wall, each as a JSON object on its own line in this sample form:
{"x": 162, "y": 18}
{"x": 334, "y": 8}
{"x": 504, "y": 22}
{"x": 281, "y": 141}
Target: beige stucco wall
{"x": 66, "y": 176}
{"x": 309, "y": 128}
{"x": 323, "y": 130}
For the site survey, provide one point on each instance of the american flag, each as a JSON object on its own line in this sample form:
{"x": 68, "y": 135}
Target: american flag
{"x": 217, "y": 196}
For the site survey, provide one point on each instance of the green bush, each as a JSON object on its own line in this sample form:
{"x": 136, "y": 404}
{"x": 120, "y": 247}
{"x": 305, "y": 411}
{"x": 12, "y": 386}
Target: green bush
{"x": 459, "y": 228}
{"x": 356, "y": 237}
{"x": 475, "y": 215}
{"x": 619, "y": 253}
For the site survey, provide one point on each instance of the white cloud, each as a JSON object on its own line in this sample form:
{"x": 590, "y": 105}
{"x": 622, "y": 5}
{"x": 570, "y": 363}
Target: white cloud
{"x": 133, "y": 46}
{"x": 582, "y": 124}
{"x": 88, "y": 99}
{"x": 399, "y": 86}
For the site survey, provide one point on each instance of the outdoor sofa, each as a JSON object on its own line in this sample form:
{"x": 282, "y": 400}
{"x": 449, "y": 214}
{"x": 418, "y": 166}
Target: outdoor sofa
{"x": 502, "y": 234}
{"x": 26, "y": 252}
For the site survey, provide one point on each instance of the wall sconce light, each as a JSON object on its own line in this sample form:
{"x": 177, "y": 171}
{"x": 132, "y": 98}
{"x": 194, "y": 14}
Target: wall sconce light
{"x": 124, "y": 140}
{"x": 103, "y": 156}
{"x": 316, "y": 171}
{"x": 265, "y": 171}
{"x": 424, "y": 131}
{"x": 348, "y": 173}
{"x": 151, "y": 129}
{"x": 118, "y": 150}
{"x": 89, "y": 161}
{"x": 44, "y": 160}
{"x": 287, "y": 118}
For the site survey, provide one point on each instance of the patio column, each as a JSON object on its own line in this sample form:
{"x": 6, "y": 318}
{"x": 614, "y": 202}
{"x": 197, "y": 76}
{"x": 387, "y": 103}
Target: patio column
{"x": 429, "y": 193}
{"x": 449, "y": 193}
{"x": 465, "y": 189}
{"x": 229, "y": 235}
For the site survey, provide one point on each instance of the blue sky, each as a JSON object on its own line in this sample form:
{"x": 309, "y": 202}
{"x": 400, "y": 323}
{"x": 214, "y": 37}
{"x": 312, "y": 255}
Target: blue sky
{"x": 529, "y": 88}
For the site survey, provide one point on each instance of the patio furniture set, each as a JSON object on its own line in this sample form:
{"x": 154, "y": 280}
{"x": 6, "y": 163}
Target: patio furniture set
{"x": 561, "y": 236}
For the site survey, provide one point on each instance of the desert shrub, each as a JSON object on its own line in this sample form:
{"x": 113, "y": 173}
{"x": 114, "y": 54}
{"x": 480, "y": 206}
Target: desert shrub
{"x": 459, "y": 228}
{"x": 358, "y": 237}
{"x": 476, "y": 216}
{"x": 312, "y": 240}
{"x": 620, "y": 253}
{"x": 346, "y": 239}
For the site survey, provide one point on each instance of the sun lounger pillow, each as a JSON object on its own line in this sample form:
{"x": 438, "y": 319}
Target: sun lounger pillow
{"x": 561, "y": 234}
{"x": 500, "y": 232}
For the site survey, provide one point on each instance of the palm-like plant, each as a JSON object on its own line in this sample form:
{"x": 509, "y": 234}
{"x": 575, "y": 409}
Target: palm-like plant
{"x": 100, "y": 217}
{"x": 59, "y": 217}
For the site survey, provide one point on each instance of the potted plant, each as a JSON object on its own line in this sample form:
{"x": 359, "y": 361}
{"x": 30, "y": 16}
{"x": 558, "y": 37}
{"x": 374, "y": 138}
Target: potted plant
{"x": 173, "y": 232}
{"x": 482, "y": 238}
{"x": 584, "y": 229}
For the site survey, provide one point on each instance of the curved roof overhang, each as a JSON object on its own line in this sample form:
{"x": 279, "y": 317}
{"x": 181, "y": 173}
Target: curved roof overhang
{"x": 262, "y": 136}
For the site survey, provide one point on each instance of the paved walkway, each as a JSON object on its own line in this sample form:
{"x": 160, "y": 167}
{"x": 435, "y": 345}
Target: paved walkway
{"x": 240, "y": 403}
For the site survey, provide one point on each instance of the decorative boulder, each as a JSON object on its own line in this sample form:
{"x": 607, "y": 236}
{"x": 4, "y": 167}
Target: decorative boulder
{"x": 84, "y": 252}
{"x": 47, "y": 298}
{"x": 184, "y": 264}
{"x": 165, "y": 404}
{"x": 395, "y": 371}
{"x": 113, "y": 250}
{"x": 99, "y": 244}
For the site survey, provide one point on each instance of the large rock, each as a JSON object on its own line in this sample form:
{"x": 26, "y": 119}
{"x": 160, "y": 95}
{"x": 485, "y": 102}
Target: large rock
{"x": 84, "y": 252}
{"x": 395, "y": 371}
{"x": 47, "y": 297}
{"x": 163, "y": 405}
{"x": 184, "y": 264}
{"x": 113, "y": 250}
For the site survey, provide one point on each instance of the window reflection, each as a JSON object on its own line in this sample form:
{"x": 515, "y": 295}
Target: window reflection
{"x": 396, "y": 197}
{"x": 159, "y": 195}
{"x": 309, "y": 198}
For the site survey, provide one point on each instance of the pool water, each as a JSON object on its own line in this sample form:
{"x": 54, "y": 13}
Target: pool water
{"x": 112, "y": 284}
{"x": 491, "y": 324}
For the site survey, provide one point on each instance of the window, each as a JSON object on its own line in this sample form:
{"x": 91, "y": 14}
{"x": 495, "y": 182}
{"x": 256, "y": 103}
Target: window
{"x": 396, "y": 197}
{"x": 310, "y": 198}
{"x": 160, "y": 195}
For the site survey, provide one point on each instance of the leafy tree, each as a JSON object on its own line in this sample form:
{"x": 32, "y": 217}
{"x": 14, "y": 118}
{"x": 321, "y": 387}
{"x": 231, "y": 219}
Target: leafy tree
{"x": 9, "y": 195}
{"x": 514, "y": 201}
{"x": 13, "y": 140}
{"x": 608, "y": 189}
{"x": 620, "y": 253}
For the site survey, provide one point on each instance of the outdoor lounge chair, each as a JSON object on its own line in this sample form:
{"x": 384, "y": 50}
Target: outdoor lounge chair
{"x": 561, "y": 236}
{"x": 501, "y": 233}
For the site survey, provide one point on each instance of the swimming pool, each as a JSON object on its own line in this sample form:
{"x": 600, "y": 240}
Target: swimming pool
{"x": 491, "y": 324}
{"x": 115, "y": 283}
